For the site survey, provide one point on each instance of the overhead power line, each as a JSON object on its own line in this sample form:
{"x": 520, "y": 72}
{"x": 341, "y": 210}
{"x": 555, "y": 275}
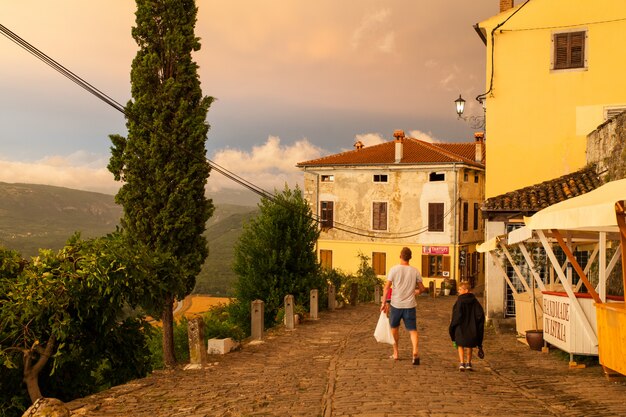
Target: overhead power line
{"x": 221, "y": 170}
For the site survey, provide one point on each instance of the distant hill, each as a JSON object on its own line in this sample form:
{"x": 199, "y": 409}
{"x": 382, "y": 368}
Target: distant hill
{"x": 41, "y": 216}
{"x": 36, "y": 216}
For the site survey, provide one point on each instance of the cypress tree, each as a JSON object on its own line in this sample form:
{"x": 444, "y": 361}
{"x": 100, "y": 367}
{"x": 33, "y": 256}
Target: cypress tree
{"x": 161, "y": 162}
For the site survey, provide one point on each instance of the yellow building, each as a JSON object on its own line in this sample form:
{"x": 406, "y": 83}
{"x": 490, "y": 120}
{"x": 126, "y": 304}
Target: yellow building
{"x": 554, "y": 73}
{"x": 405, "y": 192}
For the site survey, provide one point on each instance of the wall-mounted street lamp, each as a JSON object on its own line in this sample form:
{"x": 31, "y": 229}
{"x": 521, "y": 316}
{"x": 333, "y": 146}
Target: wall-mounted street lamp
{"x": 476, "y": 122}
{"x": 460, "y": 105}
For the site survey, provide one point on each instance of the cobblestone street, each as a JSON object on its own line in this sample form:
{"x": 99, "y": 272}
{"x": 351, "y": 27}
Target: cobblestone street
{"x": 334, "y": 367}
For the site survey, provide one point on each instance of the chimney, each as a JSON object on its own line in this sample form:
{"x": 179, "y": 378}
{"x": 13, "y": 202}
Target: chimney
{"x": 480, "y": 138}
{"x": 506, "y": 5}
{"x": 399, "y": 135}
{"x": 358, "y": 145}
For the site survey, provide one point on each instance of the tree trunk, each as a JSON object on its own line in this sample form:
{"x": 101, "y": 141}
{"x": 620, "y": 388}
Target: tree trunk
{"x": 167, "y": 318}
{"x": 31, "y": 379}
{"x": 31, "y": 370}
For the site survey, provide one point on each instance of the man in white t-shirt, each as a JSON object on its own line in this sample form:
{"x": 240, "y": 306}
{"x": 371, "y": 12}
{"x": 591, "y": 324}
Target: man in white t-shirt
{"x": 407, "y": 283}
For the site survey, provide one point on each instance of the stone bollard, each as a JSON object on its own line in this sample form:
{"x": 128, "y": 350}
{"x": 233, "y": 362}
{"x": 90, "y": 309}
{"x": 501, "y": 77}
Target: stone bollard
{"x": 377, "y": 294}
{"x": 332, "y": 301}
{"x": 354, "y": 294}
{"x": 431, "y": 289}
{"x": 314, "y": 306}
{"x": 257, "y": 319}
{"x": 197, "y": 351}
{"x": 289, "y": 315}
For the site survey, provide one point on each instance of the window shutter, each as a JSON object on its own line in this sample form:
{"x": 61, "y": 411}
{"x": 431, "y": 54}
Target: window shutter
{"x": 327, "y": 211}
{"x": 446, "y": 263}
{"x": 425, "y": 265}
{"x": 379, "y": 216}
{"x": 560, "y": 50}
{"x": 435, "y": 217}
{"x": 569, "y": 50}
{"x": 577, "y": 41}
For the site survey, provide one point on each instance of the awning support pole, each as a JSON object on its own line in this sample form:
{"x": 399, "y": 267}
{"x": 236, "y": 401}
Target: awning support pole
{"x": 579, "y": 270}
{"x": 515, "y": 267}
{"x": 567, "y": 286}
{"x": 531, "y": 264}
{"x": 496, "y": 260}
{"x": 588, "y": 266}
{"x": 621, "y": 222}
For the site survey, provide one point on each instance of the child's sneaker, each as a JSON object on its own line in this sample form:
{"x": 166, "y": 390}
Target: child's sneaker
{"x": 462, "y": 367}
{"x": 468, "y": 367}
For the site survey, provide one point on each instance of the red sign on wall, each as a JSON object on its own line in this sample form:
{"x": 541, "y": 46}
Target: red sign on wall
{"x": 435, "y": 250}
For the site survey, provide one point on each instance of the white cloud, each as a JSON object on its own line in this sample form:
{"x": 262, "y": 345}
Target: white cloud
{"x": 268, "y": 166}
{"x": 426, "y": 137}
{"x": 80, "y": 170}
{"x": 374, "y": 30}
{"x": 369, "y": 139}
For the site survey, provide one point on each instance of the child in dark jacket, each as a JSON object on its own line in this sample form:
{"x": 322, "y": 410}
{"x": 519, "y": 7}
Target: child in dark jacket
{"x": 467, "y": 327}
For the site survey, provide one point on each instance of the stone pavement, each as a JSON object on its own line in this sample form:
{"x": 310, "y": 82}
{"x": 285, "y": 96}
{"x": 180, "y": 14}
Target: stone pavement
{"x": 334, "y": 367}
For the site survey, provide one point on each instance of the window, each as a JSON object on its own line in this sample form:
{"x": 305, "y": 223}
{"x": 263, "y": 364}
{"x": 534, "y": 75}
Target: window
{"x": 326, "y": 214}
{"x": 326, "y": 258}
{"x": 380, "y": 177}
{"x": 328, "y": 178}
{"x": 475, "y": 178}
{"x": 435, "y": 217}
{"x": 379, "y": 216}
{"x": 465, "y": 176}
{"x": 569, "y": 50}
{"x": 437, "y": 176}
{"x": 435, "y": 265}
{"x": 465, "y": 216}
{"x": 379, "y": 263}
{"x": 476, "y": 211}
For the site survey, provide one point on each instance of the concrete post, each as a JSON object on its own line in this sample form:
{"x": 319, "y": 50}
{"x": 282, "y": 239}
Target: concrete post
{"x": 314, "y": 304}
{"x": 289, "y": 315}
{"x": 377, "y": 294}
{"x": 197, "y": 351}
{"x": 257, "y": 319}
{"x": 354, "y": 293}
{"x": 332, "y": 302}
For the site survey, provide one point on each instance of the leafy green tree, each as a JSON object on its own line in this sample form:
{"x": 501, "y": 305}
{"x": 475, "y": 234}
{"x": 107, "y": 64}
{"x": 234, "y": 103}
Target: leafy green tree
{"x": 275, "y": 256}
{"x": 162, "y": 160}
{"x": 61, "y": 313}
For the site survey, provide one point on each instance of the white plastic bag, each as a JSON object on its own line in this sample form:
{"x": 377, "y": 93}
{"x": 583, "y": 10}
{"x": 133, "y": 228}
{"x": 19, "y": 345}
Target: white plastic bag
{"x": 383, "y": 330}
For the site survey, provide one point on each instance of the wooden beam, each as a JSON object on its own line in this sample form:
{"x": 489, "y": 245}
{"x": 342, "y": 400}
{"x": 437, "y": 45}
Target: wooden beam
{"x": 567, "y": 286}
{"x": 579, "y": 270}
{"x": 496, "y": 260}
{"x": 531, "y": 264}
{"x": 621, "y": 222}
{"x": 519, "y": 274}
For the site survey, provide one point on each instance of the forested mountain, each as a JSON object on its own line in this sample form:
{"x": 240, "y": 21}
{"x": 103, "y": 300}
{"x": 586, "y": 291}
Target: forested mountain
{"x": 36, "y": 216}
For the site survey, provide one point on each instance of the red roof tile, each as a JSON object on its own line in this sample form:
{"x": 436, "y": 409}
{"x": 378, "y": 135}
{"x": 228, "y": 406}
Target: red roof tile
{"x": 415, "y": 151}
{"x": 547, "y": 193}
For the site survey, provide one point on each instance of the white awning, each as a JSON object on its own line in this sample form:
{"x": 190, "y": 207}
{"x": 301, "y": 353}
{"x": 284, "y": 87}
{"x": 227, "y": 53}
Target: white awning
{"x": 519, "y": 235}
{"x": 488, "y": 245}
{"x": 593, "y": 211}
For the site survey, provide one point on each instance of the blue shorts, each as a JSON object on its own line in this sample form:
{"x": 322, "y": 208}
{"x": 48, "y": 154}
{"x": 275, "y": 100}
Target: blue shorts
{"x": 406, "y": 314}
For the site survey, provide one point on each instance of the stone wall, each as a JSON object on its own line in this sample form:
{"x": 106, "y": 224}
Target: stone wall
{"x": 605, "y": 148}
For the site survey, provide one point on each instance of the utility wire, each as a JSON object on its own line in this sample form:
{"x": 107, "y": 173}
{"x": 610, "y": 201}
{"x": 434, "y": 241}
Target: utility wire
{"x": 214, "y": 166}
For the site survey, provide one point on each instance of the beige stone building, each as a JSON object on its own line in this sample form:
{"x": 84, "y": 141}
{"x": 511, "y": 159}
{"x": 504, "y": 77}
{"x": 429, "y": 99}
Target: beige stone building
{"x": 405, "y": 192}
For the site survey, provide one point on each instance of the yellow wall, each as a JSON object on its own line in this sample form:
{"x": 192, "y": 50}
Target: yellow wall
{"x": 345, "y": 255}
{"x": 538, "y": 118}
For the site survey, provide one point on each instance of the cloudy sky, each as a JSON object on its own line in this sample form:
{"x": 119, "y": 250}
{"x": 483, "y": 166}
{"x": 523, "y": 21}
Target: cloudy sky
{"x": 294, "y": 80}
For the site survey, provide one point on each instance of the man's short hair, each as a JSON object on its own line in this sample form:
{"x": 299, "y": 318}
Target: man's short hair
{"x": 406, "y": 254}
{"x": 465, "y": 285}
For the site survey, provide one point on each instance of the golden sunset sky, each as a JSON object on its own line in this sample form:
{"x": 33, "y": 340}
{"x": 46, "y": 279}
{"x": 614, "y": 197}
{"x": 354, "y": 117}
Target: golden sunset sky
{"x": 294, "y": 80}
